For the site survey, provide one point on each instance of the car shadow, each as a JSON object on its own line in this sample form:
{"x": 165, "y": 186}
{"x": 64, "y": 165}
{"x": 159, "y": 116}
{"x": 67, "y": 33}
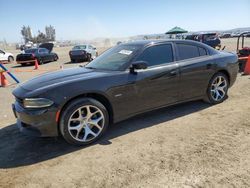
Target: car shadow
{"x": 17, "y": 149}
{"x": 77, "y": 62}
{"x": 19, "y": 66}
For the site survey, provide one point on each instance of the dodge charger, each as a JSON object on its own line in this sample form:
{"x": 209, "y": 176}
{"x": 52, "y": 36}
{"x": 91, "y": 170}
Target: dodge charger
{"x": 80, "y": 103}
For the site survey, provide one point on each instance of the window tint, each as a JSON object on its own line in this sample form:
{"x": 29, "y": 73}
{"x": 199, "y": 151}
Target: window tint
{"x": 202, "y": 51}
{"x": 157, "y": 55}
{"x": 32, "y": 51}
{"x": 42, "y": 51}
{"x": 46, "y": 51}
{"x": 187, "y": 51}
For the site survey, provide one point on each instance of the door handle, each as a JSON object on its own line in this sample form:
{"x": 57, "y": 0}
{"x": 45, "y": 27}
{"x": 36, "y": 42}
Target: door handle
{"x": 173, "y": 73}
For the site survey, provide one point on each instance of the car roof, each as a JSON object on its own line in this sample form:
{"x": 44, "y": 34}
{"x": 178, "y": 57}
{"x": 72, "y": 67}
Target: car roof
{"x": 144, "y": 43}
{"x": 150, "y": 42}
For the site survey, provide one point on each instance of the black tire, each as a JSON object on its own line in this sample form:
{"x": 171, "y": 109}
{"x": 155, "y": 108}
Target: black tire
{"x": 89, "y": 58}
{"x": 73, "y": 108}
{"x": 55, "y": 58}
{"x": 72, "y": 61}
{"x": 40, "y": 61}
{"x": 210, "y": 98}
{"x": 10, "y": 59}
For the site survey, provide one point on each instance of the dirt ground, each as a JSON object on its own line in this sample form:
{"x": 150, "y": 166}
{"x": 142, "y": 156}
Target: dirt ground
{"x": 188, "y": 145}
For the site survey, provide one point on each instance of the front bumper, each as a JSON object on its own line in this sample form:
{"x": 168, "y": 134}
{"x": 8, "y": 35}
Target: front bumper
{"x": 36, "y": 122}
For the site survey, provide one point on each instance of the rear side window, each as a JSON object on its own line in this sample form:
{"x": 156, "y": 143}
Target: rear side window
{"x": 202, "y": 51}
{"x": 187, "y": 51}
{"x": 157, "y": 55}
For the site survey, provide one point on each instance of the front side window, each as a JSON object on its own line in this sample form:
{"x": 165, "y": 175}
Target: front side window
{"x": 187, "y": 51}
{"x": 157, "y": 55}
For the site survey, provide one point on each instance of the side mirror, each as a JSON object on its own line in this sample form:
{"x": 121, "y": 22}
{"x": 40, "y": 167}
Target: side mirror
{"x": 137, "y": 65}
{"x": 94, "y": 48}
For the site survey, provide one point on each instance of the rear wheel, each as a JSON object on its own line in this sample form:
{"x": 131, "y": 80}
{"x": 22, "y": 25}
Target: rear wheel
{"x": 89, "y": 58}
{"x": 10, "y": 59}
{"x": 83, "y": 121}
{"x": 40, "y": 61}
{"x": 55, "y": 58}
{"x": 217, "y": 88}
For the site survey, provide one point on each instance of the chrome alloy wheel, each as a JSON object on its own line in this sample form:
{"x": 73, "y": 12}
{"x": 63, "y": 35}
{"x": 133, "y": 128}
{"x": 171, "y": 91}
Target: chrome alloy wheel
{"x": 218, "y": 88}
{"x": 86, "y": 123}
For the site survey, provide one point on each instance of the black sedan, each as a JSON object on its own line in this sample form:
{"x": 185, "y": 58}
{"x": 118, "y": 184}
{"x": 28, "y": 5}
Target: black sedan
{"x": 126, "y": 80}
{"x": 42, "y": 54}
{"x": 83, "y": 52}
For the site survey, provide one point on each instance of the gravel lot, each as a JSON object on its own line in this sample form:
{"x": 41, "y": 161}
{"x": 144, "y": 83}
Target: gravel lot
{"x": 188, "y": 145}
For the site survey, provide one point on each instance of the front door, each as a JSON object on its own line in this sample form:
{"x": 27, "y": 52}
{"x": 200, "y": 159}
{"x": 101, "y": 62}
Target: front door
{"x": 154, "y": 87}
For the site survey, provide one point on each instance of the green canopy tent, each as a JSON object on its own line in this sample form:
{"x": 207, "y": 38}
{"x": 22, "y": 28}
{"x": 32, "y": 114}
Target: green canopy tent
{"x": 176, "y": 30}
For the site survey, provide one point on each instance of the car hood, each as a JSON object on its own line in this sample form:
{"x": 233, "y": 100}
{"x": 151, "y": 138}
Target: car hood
{"x": 60, "y": 77}
{"x": 48, "y": 46}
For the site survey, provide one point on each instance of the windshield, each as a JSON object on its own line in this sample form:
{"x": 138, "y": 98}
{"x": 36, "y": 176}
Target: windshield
{"x": 115, "y": 58}
{"x": 80, "y": 47}
{"x": 30, "y": 51}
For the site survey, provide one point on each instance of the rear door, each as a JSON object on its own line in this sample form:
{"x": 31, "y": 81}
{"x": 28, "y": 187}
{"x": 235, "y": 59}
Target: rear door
{"x": 196, "y": 68}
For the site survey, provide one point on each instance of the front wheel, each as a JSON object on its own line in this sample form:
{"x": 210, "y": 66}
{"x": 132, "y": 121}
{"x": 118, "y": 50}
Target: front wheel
{"x": 83, "y": 121}
{"x": 217, "y": 88}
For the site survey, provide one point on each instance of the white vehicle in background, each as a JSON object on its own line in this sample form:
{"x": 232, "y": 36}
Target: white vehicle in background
{"x": 5, "y": 56}
{"x": 83, "y": 52}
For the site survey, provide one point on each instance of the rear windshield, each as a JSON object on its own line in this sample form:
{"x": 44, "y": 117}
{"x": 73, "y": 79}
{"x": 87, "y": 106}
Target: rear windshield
{"x": 31, "y": 51}
{"x": 80, "y": 47}
{"x": 210, "y": 36}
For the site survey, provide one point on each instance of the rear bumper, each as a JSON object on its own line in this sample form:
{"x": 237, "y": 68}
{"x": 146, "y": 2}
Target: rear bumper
{"x": 78, "y": 57}
{"x": 36, "y": 122}
{"x": 27, "y": 61}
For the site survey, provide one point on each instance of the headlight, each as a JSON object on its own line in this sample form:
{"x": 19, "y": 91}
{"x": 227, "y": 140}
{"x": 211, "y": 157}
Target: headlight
{"x": 36, "y": 103}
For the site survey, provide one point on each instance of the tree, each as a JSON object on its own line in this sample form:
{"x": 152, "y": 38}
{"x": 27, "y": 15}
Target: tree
{"x": 41, "y": 38}
{"x": 26, "y": 33}
{"x": 50, "y": 33}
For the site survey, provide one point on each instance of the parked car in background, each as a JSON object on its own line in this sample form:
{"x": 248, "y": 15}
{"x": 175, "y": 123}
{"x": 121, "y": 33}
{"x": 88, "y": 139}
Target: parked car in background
{"x": 6, "y": 56}
{"x": 84, "y": 52}
{"x": 128, "y": 79}
{"x": 211, "y": 39}
{"x": 225, "y": 35}
{"x": 42, "y": 54}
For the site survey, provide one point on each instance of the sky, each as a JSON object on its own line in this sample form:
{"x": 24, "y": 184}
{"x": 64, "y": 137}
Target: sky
{"x": 86, "y": 20}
